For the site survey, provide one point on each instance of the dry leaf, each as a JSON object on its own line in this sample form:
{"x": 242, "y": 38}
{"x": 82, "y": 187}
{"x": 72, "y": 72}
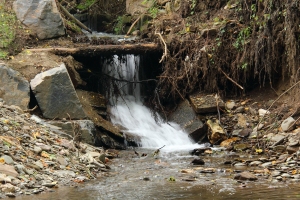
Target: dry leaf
{"x": 45, "y": 154}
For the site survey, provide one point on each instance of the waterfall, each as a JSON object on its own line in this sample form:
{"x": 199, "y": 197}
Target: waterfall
{"x": 129, "y": 112}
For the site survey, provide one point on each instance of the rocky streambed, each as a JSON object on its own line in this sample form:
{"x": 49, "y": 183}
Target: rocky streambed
{"x": 33, "y": 159}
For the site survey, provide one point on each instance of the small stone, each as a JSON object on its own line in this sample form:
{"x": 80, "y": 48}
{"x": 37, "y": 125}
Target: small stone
{"x": 8, "y": 160}
{"x": 286, "y": 175}
{"x": 262, "y": 112}
{"x": 267, "y": 164}
{"x": 255, "y": 163}
{"x": 61, "y": 160}
{"x": 245, "y": 176}
{"x": 279, "y": 178}
{"x": 37, "y": 149}
{"x": 275, "y": 173}
{"x": 287, "y": 124}
{"x": 10, "y": 194}
{"x": 229, "y": 105}
{"x": 292, "y": 150}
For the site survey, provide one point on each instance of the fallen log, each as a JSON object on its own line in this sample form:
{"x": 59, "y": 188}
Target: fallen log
{"x": 101, "y": 49}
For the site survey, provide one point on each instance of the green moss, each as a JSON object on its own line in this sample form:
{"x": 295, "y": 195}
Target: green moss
{"x": 85, "y": 5}
{"x": 3, "y": 54}
{"x": 7, "y": 32}
{"x": 72, "y": 26}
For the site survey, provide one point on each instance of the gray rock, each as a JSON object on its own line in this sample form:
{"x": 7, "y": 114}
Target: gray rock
{"x": 8, "y": 160}
{"x": 37, "y": 149}
{"x": 255, "y": 163}
{"x": 287, "y": 123}
{"x": 267, "y": 164}
{"x": 14, "y": 88}
{"x": 245, "y": 176}
{"x": 275, "y": 173}
{"x": 61, "y": 160}
{"x": 87, "y": 129}
{"x": 186, "y": 117}
{"x": 203, "y": 104}
{"x": 42, "y": 17}
{"x": 8, "y": 170}
{"x": 56, "y": 95}
{"x": 286, "y": 175}
{"x": 64, "y": 173}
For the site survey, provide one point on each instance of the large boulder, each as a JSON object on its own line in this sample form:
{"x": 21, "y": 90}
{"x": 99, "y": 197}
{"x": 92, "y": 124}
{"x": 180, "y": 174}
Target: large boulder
{"x": 186, "y": 117}
{"x": 41, "y": 16}
{"x": 55, "y": 94}
{"x": 14, "y": 88}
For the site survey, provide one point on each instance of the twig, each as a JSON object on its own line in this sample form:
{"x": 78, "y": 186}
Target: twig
{"x": 165, "y": 45}
{"x": 231, "y": 79}
{"x": 132, "y": 25}
{"x": 81, "y": 25}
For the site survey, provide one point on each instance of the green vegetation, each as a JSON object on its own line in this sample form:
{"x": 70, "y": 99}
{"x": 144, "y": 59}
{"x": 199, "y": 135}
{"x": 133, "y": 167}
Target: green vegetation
{"x": 72, "y": 26}
{"x": 7, "y": 30}
{"x": 85, "y": 5}
{"x": 242, "y": 38}
{"x": 119, "y": 25}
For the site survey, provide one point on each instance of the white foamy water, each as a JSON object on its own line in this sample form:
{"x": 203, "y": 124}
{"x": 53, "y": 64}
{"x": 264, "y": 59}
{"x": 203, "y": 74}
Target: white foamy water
{"x": 129, "y": 112}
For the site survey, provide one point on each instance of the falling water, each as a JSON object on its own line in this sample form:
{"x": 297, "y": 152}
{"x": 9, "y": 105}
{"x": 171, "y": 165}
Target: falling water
{"x": 130, "y": 113}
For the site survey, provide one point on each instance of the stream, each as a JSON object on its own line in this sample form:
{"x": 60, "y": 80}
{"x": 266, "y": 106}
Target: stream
{"x": 148, "y": 177}
{"x": 169, "y": 174}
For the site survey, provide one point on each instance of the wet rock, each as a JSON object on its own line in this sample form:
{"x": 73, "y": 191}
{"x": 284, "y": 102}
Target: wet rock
{"x": 42, "y": 17}
{"x": 56, "y": 95}
{"x": 245, "y": 176}
{"x": 216, "y": 133}
{"x": 275, "y": 173}
{"x": 267, "y": 164}
{"x": 240, "y": 147}
{"x": 203, "y": 104}
{"x": 245, "y": 132}
{"x": 255, "y": 163}
{"x": 14, "y": 88}
{"x": 287, "y": 124}
{"x": 199, "y": 151}
{"x": 85, "y": 129}
{"x": 198, "y": 161}
{"x": 8, "y": 170}
{"x": 188, "y": 120}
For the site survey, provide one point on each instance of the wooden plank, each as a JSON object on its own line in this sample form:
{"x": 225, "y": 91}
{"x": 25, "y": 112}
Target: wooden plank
{"x": 94, "y": 50}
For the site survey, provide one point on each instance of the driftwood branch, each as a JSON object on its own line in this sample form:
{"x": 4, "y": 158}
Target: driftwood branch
{"x": 231, "y": 79}
{"x": 81, "y": 25}
{"x": 101, "y": 49}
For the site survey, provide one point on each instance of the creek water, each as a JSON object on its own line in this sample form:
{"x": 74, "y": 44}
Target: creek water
{"x": 168, "y": 175}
